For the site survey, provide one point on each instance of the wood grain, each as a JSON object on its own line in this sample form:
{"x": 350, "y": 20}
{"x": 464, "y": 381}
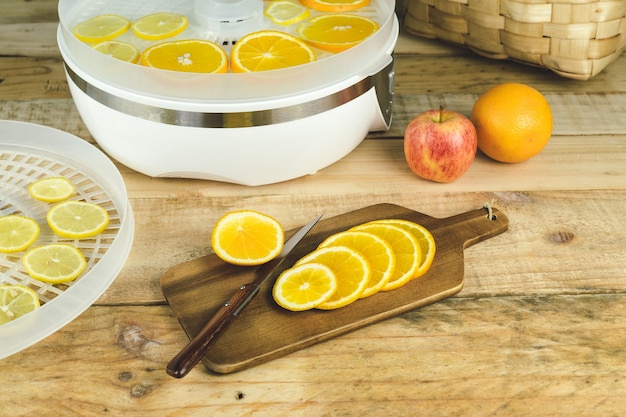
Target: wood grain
{"x": 461, "y": 356}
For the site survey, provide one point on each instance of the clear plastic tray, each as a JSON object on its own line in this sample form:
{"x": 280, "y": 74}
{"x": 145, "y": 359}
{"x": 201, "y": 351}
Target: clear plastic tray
{"x": 349, "y": 66}
{"x": 29, "y": 152}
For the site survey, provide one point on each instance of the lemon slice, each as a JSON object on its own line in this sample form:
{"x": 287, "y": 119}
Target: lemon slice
{"x": 351, "y": 269}
{"x": 377, "y": 251}
{"x": 51, "y": 189}
{"x": 101, "y": 28}
{"x": 123, "y": 51}
{"x": 16, "y": 301}
{"x": 405, "y": 246}
{"x": 17, "y": 233}
{"x": 337, "y": 32}
{"x": 247, "y": 237}
{"x": 186, "y": 55}
{"x": 269, "y": 50}
{"x": 304, "y": 287}
{"x": 424, "y": 238}
{"x": 54, "y": 263}
{"x": 286, "y": 13}
{"x": 159, "y": 26}
{"x": 77, "y": 219}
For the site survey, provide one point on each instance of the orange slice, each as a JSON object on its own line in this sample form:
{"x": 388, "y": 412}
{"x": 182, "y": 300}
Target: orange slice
{"x": 405, "y": 246}
{"x": 17, "y": 233}
{"x": 158, "y": 26}
{"x": 77, "y": 219}
{"x": 285, "y": 13}
{"x": 247, "y": 237}
{"x": 187, "y": 56}
{"x": 269, "y": 50}
{"x": 123, "y": 51}
{"x": 351, "y": 269}
{"x": 16, "y": 301}
{"x": 101, "y": 28}
{"x": 377, "y": 251}
{"x": 54, "y": 263}
{"x": 424, "y": 238}
{"x": 337, "y": 32}
{"x": 304, "y": 287}
{"x": 335, "y": 5}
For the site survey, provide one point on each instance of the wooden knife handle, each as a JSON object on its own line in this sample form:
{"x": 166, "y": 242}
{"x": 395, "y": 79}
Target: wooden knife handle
{"x": 190, "y": 355}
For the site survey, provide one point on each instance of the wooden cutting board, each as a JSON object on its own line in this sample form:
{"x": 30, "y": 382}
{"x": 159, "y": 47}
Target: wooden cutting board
{"x": 264, "y": 331}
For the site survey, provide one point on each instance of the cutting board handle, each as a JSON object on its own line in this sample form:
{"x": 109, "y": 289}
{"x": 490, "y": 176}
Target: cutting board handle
{"x": 474, "y": 226}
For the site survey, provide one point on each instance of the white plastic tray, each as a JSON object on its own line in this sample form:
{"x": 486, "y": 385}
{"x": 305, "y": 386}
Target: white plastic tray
{"x": 29, "y": 152}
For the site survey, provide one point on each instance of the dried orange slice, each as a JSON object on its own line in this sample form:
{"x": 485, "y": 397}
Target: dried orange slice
{"x": 16, "y": 301}
{"x": 269, "y": 50}
{"x": 187, "y": 56}
{"x": 247, "y": 237}
{"x": 54, "y": 263}
{"x": 101, "y": 28}
{"x": 285, "y": 13}
{"x": 335, "y": 5}
{"x": 123, "y": 51}
{"x": 304, "y": 287}
{"x": 158, "y": 26}
{"x": 405, "y": 246}
{"x": 51, "y": 189}
{"x": 349, "y": 266}
{"x": 424, "y": 238}
{"x": 378, "y": 252}
{"x": 17, "y": 233}
{"x": 77, "y": 219}
{"x": 337, "y": 32}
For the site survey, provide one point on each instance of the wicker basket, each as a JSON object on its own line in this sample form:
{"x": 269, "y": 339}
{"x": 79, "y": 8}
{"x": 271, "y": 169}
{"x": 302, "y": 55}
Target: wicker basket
{"x": 574, "y": 38}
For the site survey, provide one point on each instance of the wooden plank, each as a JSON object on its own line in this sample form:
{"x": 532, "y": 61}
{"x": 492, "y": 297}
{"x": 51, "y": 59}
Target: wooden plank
{"x": 29, "y": 39}
{"x": 27, "y": 78}
{"x": 560, "y": 354}
{"x": 31, "y": 11}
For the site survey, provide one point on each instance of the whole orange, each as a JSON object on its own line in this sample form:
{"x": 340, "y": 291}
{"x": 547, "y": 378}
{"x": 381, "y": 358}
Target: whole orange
{"x": 513, "y": 122}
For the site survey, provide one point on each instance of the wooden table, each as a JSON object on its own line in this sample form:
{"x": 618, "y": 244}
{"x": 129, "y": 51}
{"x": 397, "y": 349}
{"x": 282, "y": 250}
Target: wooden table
{"x": 537, "y": 329}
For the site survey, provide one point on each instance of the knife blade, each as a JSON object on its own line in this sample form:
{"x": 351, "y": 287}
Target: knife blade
{"x": 190, "y": 355}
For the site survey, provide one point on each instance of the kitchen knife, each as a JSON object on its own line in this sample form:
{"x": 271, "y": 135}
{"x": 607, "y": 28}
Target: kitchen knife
{"x": 191, "y": 354}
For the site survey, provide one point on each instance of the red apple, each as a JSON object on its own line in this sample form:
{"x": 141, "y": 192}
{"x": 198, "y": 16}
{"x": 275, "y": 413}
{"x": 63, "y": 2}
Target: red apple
{"x": 440, "y": 145}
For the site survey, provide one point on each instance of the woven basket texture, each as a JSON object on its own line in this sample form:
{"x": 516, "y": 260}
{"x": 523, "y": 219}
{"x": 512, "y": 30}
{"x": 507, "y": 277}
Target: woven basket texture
{"x": 574, "y": 38}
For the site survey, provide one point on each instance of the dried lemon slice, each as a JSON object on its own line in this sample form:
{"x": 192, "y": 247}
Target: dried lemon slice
{"x": 247, "y": 237}
{"x": 285, "y": 13}
{"x": 304, "y": 287}
{"x": 17, "y": 233}
{"x": 54, "y": 263}
{"x": 77, "y": 219}
{"x": 16, "y": 301}
{"x": 349, "y": 266}
{"x": 123, "y": 51}
{"x": 159, "y": 26}
{"x": 51, "y": 189}
{"x": 101, "y": 28}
